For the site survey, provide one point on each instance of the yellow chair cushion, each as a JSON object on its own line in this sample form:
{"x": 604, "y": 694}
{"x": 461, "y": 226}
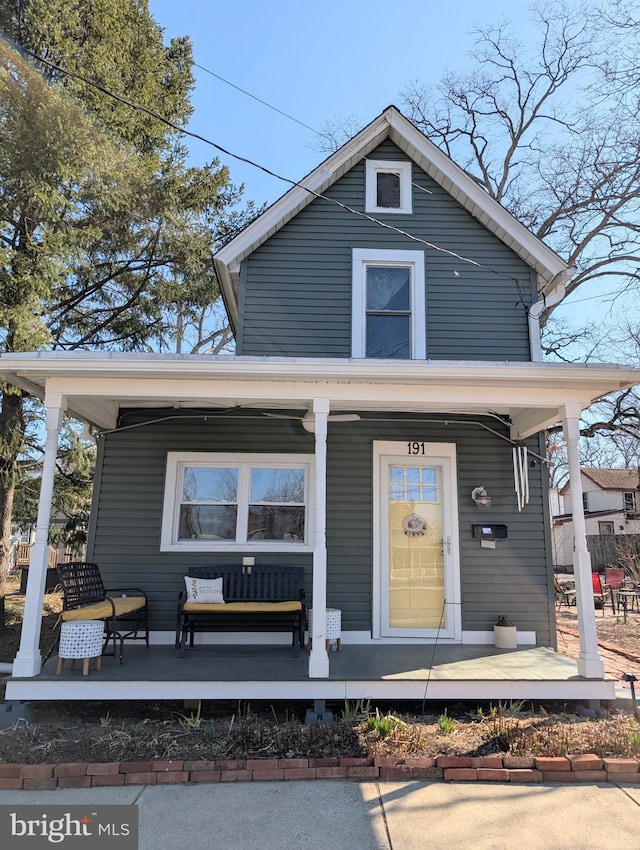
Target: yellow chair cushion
{"x": 241, "y": 607}
{"x": 100, "y": 610}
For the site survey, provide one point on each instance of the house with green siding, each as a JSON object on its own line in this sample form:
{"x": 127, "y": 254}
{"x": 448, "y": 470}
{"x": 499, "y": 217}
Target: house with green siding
{"x": 381, "y": 425}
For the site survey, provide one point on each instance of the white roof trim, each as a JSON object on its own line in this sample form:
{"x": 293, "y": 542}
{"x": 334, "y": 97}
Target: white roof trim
{"x": 97, "y": 384}
{"x": 551, "y": 269}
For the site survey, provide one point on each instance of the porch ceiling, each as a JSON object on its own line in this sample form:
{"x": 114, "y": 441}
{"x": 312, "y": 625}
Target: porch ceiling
{"x": 94, "y": 386}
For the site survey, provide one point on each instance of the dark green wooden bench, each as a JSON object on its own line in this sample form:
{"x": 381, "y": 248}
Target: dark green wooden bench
{"x": 256, "y": 598}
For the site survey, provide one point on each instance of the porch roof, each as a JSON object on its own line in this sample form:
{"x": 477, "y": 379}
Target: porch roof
{"x": 95, "y": 385}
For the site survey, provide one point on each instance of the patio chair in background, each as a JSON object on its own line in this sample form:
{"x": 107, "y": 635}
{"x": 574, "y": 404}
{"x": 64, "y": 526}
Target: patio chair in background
{"x": 613, "y": 579}
{"x": 123, "y": 610}
{"x": 599, "y": 592}
{"x": 565, "y": 592}
{"x": 628, "y": 595}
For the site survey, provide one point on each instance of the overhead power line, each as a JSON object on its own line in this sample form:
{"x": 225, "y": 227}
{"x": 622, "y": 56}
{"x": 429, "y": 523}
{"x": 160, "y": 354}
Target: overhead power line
{"x": 294, "y": 183}
{"x": 258, "y": 99}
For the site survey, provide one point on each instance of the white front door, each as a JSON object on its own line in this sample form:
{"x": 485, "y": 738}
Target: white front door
{"x": 416, "y": 570}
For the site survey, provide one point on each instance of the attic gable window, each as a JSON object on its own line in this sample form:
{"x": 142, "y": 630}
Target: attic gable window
{"x": 388, "y": 187}
{"x": 388, "y": 304}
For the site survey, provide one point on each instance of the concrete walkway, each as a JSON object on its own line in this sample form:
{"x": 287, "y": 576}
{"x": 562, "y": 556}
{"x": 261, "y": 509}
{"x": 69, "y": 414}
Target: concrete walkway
{"x": 330, "y": 815}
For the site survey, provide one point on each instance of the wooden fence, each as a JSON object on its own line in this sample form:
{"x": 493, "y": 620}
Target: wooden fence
{"x": 612, "y": 550}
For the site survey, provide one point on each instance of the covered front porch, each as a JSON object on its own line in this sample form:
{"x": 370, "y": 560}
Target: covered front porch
{"x": 521, "y": 398}
{"x": 382, "y": 672}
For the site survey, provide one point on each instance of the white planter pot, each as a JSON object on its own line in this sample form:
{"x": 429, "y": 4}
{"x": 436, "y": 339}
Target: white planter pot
{"x": 505, "y": 637}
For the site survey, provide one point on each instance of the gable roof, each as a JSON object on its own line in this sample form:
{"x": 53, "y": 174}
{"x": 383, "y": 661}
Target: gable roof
{"x": 390, "y": 124}
{"x": 613, "y": 479}
{"x": 610, "y": 479}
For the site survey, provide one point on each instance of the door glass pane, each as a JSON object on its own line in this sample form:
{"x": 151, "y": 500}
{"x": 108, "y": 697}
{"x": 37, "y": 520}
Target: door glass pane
{"x": 416, "y": 560}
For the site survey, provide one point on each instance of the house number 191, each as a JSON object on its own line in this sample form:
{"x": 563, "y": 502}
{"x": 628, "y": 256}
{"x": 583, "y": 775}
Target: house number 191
{"x": 415, "y": 448}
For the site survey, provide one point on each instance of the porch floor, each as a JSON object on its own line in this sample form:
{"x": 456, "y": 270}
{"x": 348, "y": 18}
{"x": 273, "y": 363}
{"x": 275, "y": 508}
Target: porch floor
{"x": 357, "y": 671}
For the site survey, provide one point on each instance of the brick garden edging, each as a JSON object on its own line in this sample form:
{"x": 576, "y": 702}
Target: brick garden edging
{"x": 578, "y": 768}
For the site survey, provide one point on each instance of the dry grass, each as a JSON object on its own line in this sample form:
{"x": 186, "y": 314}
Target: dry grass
{"x": 142, "y": 731}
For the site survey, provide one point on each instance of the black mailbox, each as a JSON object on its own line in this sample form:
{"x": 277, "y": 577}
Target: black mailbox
{"x": 487, "y": 531}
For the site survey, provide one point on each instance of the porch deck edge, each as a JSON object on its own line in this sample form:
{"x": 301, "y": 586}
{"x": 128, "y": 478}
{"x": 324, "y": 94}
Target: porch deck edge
{"x": 328, "y": 689}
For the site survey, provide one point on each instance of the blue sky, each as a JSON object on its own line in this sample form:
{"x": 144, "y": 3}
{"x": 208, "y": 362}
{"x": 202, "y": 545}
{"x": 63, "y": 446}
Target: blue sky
{"x": 317, "y": 61}
{"x": 312, "y": 60}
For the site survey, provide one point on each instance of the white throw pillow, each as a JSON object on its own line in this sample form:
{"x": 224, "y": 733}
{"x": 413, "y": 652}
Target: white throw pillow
{"x": 205, "y": 590}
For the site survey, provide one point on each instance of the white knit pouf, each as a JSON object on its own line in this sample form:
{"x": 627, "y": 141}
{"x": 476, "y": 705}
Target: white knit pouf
{"x": 333, "y": 632}
{"x": 80, "y": 639}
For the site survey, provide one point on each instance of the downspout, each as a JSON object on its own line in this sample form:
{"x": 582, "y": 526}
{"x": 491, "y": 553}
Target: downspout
{"x": 555, "y": 296}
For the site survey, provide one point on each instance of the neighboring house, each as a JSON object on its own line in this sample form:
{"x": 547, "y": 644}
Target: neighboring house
{"x": 381, "y": 424}
{"x": 611, "y": 504}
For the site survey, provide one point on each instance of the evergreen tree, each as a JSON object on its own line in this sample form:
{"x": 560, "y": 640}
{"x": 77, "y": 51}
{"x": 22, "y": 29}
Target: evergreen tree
{"x": 106, "y": 233}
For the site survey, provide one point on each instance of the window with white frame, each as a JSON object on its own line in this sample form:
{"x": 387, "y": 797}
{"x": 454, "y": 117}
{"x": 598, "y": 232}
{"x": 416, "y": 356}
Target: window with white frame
{"x": 388, "y": 187}
{"x": 388, "y": 304}
{"x": 223, "y": 501}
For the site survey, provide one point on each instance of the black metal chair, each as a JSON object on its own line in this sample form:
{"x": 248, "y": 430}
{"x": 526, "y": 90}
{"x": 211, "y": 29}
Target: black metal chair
{"x": 629, "y": 596}
{"x": 122, "y": 609}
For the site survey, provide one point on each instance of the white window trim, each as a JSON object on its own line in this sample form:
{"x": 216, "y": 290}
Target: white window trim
{"x": 403, "y": 169}
{"x": 361, "y": 259}
{"x": 176, "y": 461}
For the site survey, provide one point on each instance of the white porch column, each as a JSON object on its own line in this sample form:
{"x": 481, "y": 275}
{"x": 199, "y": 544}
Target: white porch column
{"x": 319, "y": 659}
{"x": 28, "y": 660}
{"x": 589, "y": 661}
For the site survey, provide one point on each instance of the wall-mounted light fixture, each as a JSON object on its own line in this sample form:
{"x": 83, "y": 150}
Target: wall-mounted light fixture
{"x": 481, "y": 498}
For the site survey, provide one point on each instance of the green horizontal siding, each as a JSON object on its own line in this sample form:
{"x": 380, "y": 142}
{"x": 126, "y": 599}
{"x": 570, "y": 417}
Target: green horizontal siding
{"x": 296, "y": 288}
{"x": 127, "y": 514}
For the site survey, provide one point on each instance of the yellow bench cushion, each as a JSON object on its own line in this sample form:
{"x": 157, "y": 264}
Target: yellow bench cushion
{"x": 242, "y": 607}
{"x": 100, "y": 610}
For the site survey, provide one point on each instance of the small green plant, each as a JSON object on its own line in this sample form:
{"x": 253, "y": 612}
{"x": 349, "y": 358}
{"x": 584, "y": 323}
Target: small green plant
{"x": 507, "y": 709}
{"x": 633, "y": 735}
{"x": 106, "y": 719}
{"x": 446, "y": 724}
{"x": 384, "y": 724}
{"x": 354, "y": 710}
{"x": 191, "y": 721}
{"x": 490, "y": 713}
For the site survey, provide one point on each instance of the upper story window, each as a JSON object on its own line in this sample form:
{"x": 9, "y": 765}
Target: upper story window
{"x": 632, "y": 504}
{"x": 585, "y": 502}
{"x": 388, "y": 187}
{"x": 388, "y": 304}
{"x": 223, "y": 501}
